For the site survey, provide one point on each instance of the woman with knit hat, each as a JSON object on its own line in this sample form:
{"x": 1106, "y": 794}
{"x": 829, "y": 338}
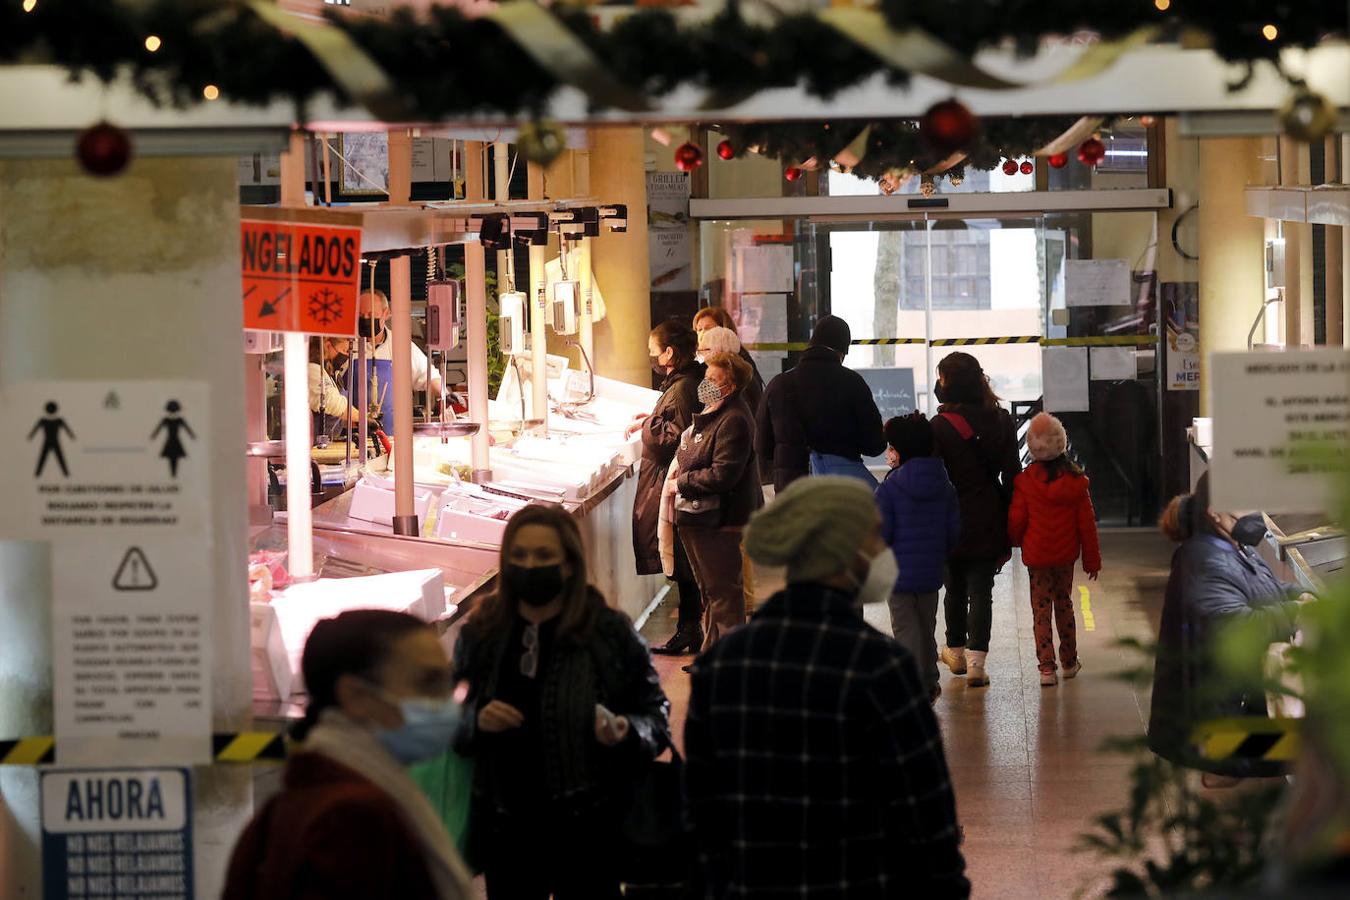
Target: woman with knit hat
{"x": 1052, "y": 520}
{"x": 814, "y": 765}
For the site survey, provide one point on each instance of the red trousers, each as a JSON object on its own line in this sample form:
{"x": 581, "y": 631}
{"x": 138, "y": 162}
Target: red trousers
{"x": 1052, "y": 591}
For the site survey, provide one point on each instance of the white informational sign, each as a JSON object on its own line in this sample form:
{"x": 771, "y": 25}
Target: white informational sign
{"x": 767, "y": 269}
{"x": 98, "y": 457}
{"x": 1114, "y": 363}
{"x": 1064, "y": 377}
{"x": 1281, "y": 423}
{"x": 670, "y": 241}
{"x": 1097, "y": 282}
{"x": 117, "y": 833}
{"x": 116, "y": 476}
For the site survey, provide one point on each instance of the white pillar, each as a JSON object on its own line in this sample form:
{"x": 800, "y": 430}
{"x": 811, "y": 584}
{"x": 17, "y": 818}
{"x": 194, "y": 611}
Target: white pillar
{"x": 400, "y": 321}
{"x": 130, "y": 277}
{"x": 475, "y": 287}
{"x": 586, "y": 326}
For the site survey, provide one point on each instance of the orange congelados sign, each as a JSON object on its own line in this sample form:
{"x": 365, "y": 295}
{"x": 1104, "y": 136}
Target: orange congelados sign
{"x": 300, "y": 277}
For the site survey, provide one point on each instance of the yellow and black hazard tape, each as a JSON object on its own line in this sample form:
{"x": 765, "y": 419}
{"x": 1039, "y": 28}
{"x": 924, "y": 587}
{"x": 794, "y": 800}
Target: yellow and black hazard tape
{"x": 29, "y": 751}
{"x": 985, "y": 341}
{"x": 1276, "y": 740}
{"x": 1120, "y": 340}
{"x": 226, "y": 747}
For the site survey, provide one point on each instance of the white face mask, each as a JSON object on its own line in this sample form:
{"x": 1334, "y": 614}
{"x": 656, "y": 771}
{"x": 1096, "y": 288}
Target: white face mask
{"x": 709, "y": 392}
{"x": 882, "y": 572}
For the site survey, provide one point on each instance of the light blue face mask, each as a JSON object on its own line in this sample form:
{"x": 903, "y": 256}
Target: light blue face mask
{"x": 429, "y": 725}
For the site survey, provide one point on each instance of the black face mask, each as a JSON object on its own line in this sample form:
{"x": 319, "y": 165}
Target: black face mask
{"x": 339, "y": 360}
{"x": 369, "y": 328}
{"x": 942, "y": 392}
{"x": 657, "y": 367}
{"x": 538, "y": 586}
{"x": 1249, "y": 530}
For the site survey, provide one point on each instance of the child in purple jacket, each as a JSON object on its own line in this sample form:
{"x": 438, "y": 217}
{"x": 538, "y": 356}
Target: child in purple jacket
{"x": 921, "y": 520}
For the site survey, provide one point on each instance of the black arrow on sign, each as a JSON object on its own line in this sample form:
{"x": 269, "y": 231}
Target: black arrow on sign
{"x": 268, "y": 309}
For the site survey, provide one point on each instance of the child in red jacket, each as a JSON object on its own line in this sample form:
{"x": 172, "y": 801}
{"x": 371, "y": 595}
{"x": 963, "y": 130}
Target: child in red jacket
{"x": 1051, "y": 519}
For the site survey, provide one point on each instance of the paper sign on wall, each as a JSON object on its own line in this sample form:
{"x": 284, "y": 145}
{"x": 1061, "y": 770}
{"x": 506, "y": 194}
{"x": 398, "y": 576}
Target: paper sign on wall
{"x": 301, "y": 278}
{"x": 1064, "y": 376}
{"x": 116, "y": 477}
{"x": 1281, "y": 422}
{"x": 1097, "y": 282}
{"x": 1114, "y": 363}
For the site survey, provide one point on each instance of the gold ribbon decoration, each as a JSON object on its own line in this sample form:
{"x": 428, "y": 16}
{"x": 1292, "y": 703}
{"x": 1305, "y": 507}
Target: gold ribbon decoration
{"x": 342, "y": 58}
{"x": 1074, "y": 135}
{"x": 563, "y": 55}
{"x": 853, "y": 154}
{"x": 916, "y": 51}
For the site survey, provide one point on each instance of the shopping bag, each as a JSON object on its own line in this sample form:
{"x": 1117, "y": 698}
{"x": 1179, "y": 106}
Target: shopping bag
{"x": 447, "y": 780}
{"x": 658, "y": 858}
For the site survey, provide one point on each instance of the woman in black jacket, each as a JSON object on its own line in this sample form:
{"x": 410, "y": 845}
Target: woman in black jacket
{"x": 1216, "y": 578}
{"x": 717, "y": 488}
{"x": 672, "y": 346}
{"x": 563, "y": 710}
{"x": 976, "y": 439}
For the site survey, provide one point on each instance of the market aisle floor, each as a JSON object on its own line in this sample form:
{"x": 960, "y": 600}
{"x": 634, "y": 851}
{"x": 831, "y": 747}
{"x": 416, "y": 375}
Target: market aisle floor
{"x": 1025, "y": 761}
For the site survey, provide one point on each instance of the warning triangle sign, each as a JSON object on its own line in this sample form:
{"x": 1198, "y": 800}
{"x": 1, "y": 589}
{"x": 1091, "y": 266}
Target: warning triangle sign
{"x": 134, "y": 573}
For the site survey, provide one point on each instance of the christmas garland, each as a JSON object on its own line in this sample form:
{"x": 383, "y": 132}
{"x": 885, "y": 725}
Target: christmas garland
{"x": 444, "y": 65}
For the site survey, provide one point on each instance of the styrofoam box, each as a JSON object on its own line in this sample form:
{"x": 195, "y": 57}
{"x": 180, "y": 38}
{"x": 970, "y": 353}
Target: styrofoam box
{"x": 373, "y": 501}
{"x": 466, "y": 516}
{"x": 272, "y": 675}
{"x": 299, "y": 608}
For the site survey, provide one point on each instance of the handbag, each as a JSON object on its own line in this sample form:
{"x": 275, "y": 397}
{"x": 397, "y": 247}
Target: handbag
{"x": 659, "y": 858}
{"x": 698, "y": 512}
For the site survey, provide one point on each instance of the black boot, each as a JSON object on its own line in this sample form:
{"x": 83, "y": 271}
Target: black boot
{"x": 686, "y": 640}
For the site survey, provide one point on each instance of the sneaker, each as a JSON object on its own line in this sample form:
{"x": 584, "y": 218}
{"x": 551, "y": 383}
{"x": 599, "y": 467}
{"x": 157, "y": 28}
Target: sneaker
{"x": 1050, "y": 679}
{"x": 1071, "y": 671}
{"x": 954, "y": 658}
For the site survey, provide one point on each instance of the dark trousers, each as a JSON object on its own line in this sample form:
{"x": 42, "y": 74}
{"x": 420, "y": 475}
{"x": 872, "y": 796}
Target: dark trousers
{"x": 969, "y": 604}
{"x": 566, "y": 860}
{"x": 691, "y": 603}
{"x": 715, "y": 554}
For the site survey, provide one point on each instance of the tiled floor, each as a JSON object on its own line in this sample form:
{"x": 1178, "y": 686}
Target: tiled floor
{"x": 1025, "y": 760}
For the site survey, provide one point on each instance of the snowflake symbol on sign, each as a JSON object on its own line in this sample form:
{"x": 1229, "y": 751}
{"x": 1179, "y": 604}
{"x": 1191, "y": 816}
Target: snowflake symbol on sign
{"x": 325, "y": 307}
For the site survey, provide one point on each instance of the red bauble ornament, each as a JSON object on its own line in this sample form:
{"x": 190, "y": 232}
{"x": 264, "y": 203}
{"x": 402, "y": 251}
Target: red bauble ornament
{"x": 1028, "y": 167}
{"x": 1091, "y": 152}
{"x": 792, "y": 173}
{"x": 1058, "y": 160}
{"x": 949, "y": 126}
{"x": 726, "y": 151}
{"x": 1148, "y": 121}
{"x": 688, "y": 157}
{"x": 103, "y": 149}
{"x": 1010, "y": 167}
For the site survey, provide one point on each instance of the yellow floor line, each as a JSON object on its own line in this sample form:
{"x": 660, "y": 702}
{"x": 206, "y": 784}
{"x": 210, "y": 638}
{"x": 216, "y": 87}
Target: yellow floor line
{"x": 1089, "y": 620}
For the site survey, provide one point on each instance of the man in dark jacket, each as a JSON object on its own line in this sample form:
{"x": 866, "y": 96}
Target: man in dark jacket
{"x": 819, "y": 418}
{"x": 814, "y": 765}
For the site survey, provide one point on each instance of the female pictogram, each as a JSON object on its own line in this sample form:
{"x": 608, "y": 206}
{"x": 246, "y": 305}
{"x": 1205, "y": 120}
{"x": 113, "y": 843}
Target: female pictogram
{"x": 51, "y": 425}
{"x": 171, "y": 424}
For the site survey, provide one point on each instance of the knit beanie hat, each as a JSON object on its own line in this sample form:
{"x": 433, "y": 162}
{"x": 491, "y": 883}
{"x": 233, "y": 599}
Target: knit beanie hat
{"x": 832, "y": 332}
{"x": 1046, "y": 438}
{"x": 815, "y": 527}
{"x": 718, "y": 340}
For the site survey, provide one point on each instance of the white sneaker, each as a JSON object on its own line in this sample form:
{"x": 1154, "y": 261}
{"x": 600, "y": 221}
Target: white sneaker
{"x": 1077, "y": 667}
{"x": 954, "y": 658}
{"x": 1050, "y": 679}
{"x": 976, "y": 676}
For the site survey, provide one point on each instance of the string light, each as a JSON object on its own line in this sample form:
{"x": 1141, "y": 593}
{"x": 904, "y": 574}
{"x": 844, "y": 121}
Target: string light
{"x": 153, "y": 43}
{"x": 1270, "y": 32}
{"x": 1163, "y": 5}
{"x": 211, "y": 92}
{"x": 29, "y": 5}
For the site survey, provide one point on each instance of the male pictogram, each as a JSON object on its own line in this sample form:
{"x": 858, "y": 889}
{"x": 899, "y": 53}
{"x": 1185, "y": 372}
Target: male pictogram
{"x": 171, "y": 424}
{"x": 51, "y": 425}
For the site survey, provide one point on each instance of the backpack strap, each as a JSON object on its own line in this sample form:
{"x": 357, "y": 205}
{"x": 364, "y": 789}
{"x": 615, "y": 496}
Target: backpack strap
{"x": 959, "y": 422}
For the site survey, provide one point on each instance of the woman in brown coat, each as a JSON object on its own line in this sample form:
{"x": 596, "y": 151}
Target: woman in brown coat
{"x": 717, "y": 488}
{"x": 349, "y": 823}
{"x": 672, "y": 346}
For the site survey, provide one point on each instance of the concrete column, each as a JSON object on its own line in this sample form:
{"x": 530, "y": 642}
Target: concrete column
{"x": 400, "y": 334}
{"x": 617, "y": 175}
{"x": 1232, "y": 249}
{"x": 130, "y": 277}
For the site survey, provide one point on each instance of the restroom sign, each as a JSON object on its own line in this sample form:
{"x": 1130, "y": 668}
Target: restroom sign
{"x": 117, "y": 833}
{"x": 299, "y": 277}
